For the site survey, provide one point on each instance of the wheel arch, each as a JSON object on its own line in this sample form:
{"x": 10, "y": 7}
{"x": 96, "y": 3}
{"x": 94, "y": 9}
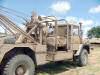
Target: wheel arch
{"x": 82, "y": 47}
{"x": 87, "y": 47}
{"x": 18, "y": 50}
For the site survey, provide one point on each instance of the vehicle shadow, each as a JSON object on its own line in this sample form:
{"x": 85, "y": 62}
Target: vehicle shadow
{"x": 55, "y": 67}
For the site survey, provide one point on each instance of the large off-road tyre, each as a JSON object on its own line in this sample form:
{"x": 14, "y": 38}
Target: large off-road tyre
{"x": 82, "y": 59}
{"x": 20, "y": 65}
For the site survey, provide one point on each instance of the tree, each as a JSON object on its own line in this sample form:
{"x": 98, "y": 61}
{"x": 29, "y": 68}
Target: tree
{"x": 94, "y": 32}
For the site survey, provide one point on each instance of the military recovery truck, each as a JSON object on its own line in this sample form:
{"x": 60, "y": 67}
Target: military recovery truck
{"x": 46, "y": 39}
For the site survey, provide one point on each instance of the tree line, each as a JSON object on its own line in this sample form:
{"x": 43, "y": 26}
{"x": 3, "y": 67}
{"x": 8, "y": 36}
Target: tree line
{"x": 94, "y": 32}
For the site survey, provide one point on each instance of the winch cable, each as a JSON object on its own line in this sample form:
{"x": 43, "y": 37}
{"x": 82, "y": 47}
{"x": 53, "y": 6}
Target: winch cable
{"x": 12, "y": 10}
{"x": 7, "y": 12}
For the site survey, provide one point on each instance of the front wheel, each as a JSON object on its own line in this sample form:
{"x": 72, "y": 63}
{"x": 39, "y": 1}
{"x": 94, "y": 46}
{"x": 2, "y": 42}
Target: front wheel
{"x": 82, "y": 59}
{"x": 20, "y": 65}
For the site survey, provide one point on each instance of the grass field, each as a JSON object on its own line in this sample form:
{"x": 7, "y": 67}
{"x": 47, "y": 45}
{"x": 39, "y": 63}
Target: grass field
{"x": 69, "y": 68}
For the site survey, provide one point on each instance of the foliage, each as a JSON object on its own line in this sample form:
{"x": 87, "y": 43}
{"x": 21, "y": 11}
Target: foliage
{"x": 94, "y": 32}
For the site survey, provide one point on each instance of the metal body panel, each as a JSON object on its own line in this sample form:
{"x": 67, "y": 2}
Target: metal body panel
{"x": 63, "y": 55}
{"x": 38, "y": 49}
{"x": 37, "y": 38}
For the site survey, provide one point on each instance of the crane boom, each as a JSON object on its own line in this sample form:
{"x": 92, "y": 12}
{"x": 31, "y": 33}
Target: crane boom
{"x": 12, "y": 26}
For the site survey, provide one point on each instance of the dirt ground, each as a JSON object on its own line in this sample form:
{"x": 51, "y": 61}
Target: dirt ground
{"x": 69, "y": 68}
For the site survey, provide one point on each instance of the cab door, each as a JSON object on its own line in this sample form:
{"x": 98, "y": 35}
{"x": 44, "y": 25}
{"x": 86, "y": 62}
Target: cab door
{"x": 51, "y": 42}
{"x": 75, "y": 37}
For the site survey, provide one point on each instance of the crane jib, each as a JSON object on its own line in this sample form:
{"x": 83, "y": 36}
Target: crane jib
{"x": 8, "y": 24}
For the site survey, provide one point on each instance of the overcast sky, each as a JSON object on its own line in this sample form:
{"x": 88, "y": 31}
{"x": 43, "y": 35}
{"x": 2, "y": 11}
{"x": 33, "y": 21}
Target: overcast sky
{"x": 85, "y": 11}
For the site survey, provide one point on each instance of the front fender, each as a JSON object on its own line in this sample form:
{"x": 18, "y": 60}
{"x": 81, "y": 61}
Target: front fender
{"x": 81, "y": 47}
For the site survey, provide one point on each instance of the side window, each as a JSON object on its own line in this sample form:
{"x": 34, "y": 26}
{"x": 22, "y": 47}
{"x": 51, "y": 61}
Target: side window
{"x": 51, "y": 30}
{"x": 75, "y": 32}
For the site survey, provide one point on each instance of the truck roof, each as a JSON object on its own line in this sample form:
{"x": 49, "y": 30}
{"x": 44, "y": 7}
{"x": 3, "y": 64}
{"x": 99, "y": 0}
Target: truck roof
{"x": 68, "y": 24}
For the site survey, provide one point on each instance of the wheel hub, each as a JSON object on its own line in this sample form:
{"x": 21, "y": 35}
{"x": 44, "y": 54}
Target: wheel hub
{"x": 20, "y": 70}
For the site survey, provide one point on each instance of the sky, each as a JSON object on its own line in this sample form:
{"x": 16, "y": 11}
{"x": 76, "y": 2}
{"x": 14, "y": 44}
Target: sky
{"x": 85, "y": 11}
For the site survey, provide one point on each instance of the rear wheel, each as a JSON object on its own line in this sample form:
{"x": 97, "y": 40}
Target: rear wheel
{"x": 20, "y": 65}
